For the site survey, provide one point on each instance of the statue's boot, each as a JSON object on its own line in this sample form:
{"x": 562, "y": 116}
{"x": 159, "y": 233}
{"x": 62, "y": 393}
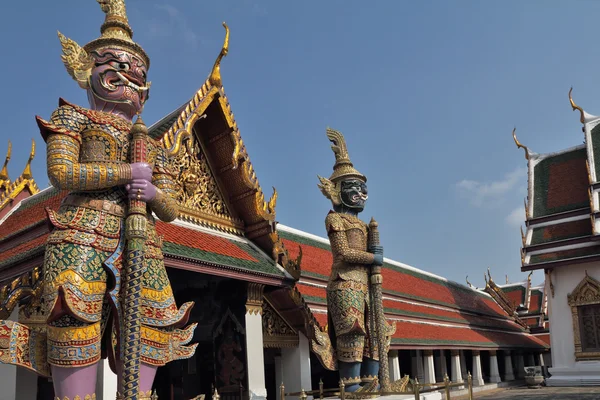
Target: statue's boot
{"x": 77, "y": 383}
{"x": 369, "y": 370}
{"x": 350, "y": 375}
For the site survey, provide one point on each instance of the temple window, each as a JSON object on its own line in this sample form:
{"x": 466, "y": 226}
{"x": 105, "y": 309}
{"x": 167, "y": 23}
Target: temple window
{"x": 585, "y": 309}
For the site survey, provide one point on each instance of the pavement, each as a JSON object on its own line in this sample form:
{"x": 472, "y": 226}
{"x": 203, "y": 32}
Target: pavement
{"x": 544, "y": 393}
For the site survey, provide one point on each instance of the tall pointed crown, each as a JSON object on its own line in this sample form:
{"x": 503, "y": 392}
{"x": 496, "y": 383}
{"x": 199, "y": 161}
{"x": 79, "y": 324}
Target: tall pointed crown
{"x": 343, "y": 167}
{"x": 115, "y": 32}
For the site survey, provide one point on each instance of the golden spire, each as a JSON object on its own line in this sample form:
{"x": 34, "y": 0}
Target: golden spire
{"x": 215, "y": 74}
{"x": 519, "y": 145}
{"x": 27, "y": 171}
{"x": 576, "y": 107}
{"x": 4, "y": 180}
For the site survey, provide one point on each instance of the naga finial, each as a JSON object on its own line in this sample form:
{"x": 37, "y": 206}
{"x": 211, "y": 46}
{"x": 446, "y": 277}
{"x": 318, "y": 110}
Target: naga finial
{"x": 489, "y": 274}
{"x": 523, "y": 239}
{"x": 576, "y": 107}
{"x": 215, "y": 75}
{"x": 27, "y": 172}
{"x": 4, "y": 171}
{"x": 519, "y": 145}
{"x": 468, "y": 283}
{"x": 507, "y": 279}
{"x": 529, "y": 277}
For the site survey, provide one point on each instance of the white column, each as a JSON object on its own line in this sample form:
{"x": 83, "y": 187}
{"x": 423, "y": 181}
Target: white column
{"x": 494, "y": 371}
{"x": 106, "y": 381}
{"x": 541, "y": 359}
{"x": 417, "y": 365}
{"x": 463, "y": 363}
{"x": 477, "y": 373}
{"x": 394, "y": 365}
{"x": 278, "y": 376}
{"x": 520, "y": 366}
{"x": 255, "y": 359}
{"x": 295, "y": 364}
{"x": 455, "y": 370}
{"x": 429, "y": 367}
{"x": 508, "y": 369}
{"x": 8, "y": 373}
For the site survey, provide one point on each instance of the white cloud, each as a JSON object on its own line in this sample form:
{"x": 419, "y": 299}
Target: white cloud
{"x": 177, "y": 26}
{"x": 485, "y": 193}
{"x": 516, "y": 217}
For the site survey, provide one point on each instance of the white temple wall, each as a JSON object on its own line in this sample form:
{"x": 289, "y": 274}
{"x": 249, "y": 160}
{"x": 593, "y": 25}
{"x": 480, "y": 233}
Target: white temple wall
{"x": 566, "y": 371}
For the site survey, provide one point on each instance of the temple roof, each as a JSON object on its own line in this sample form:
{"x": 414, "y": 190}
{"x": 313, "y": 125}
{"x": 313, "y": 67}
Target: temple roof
{"x": 11, "y": 192}
{"x": 429, "y": 310}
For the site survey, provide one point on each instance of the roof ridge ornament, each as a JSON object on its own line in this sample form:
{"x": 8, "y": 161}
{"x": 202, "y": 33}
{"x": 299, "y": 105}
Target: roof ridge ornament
{"x": 576, "y": 107}
{"x": 27, "y": 171}
{"x": 519, "y": 145}
{"x": 215, "y": 74}
{"x": 4, "y": 179}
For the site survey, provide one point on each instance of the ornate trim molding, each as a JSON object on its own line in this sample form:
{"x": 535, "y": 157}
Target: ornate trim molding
{"x": 586, "y": 293}
{"x": 254, "y": 301}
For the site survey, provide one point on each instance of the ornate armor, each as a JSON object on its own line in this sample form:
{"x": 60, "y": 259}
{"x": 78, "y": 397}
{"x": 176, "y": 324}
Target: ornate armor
{"x": 117, "y": 179}
{"x": 88, "y": 155}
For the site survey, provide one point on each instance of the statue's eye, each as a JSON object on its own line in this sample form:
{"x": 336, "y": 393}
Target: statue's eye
{"x": 120, "y": 66}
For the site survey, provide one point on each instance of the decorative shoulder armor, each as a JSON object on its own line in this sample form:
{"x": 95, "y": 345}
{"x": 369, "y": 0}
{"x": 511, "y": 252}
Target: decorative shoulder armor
{"x": 334, "y": 222}
{"x": 66, "y": 120}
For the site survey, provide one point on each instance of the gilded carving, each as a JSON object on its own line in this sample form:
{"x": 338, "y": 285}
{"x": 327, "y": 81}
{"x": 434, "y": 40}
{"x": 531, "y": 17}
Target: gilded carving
{"x": 255, "y": 298}
{"x": 586, "y": 293}
{"x": 198, "y": 188}
{"x": 277, "y": 333}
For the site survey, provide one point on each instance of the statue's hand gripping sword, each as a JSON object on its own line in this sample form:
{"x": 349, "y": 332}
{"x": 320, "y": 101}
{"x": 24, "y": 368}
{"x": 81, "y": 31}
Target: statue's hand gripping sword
{"x": 376, "y": 283}
{"x": 136, "y": 233}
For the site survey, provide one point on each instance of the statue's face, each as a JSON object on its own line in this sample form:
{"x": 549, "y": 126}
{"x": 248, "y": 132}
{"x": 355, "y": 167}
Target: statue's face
{"x": 353, "y": 194}
{"x": 119, "y": 79}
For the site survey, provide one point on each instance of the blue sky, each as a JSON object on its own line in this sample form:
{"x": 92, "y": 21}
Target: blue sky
{"x": 426, "y": 93}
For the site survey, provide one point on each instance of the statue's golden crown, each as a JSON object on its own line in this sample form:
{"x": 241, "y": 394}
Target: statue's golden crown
{"x": 115, "y": 33}
{"x": 342, "y": 169}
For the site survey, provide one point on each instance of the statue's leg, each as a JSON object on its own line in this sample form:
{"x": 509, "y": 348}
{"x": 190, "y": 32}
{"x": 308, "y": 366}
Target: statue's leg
{"x": 370, "y": 366}
{"x": 72, "y": 382}
{"x": 346, "y": 306}
{"x": 74, "y": 288}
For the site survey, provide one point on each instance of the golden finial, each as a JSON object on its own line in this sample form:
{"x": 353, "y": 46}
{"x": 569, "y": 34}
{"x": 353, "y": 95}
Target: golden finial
{"x": 523, "y": 239}
{"x": 489, "y": 274}
{"x": 468, "y": 283}
{"x": 272, "y": 201}
{"x": 576, "y": 107}
{"x": 526, "y": 208}
{"x": 215, "y": 75}
{"x": 529, "y": 277}
{"x": 519, "y": 145}
{"x": 4, "y": 171}
{"x": 27, "y": 172}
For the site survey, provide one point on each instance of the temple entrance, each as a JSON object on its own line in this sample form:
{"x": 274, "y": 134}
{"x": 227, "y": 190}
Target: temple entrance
{"x": 220, "y": 358}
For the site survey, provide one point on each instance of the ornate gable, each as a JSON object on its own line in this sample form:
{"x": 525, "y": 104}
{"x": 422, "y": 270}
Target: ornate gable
{"x": 277, "y": 333}
{"x": 500, "y": 297}
{"x": 204, "y": 134}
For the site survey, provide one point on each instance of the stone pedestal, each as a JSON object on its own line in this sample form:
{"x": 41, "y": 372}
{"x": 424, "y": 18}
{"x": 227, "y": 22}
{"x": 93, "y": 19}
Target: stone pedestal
{"x": 295, "y": 365}
{"x": 255, "y": 359}
{"x": 477, "y": 372}
{"x": 494, "y": 371}
{"x": 429, "y": 366}
{"x": 508, "y": 368}
{"x": 455, "y": 370}
{"x": 394, "y": 365}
